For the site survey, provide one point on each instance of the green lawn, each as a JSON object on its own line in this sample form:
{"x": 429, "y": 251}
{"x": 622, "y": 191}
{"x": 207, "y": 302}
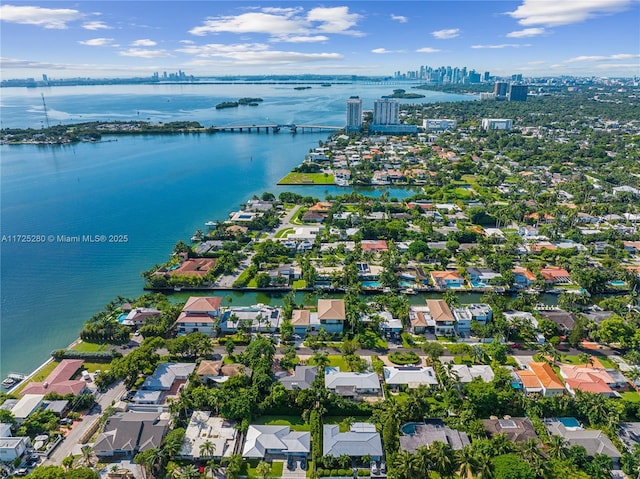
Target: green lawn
{"x": 336, "y": 362}
{"x": 631, "y": 396}
{"x": 299, "y": 284}
{"x": 89, "y": 347}
{"x": 249, "y": 469}
{"x": 295, "y": 422}
{"x": 284, "y": 232}
{"x": 295, "y": 178}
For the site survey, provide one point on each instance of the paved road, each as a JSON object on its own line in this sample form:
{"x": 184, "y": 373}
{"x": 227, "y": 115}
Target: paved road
{"x": 71, "y": 445}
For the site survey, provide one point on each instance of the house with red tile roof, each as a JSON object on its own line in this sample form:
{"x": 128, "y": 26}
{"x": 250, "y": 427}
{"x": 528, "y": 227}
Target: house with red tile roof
{"x": 554, "y": 275}
{"x": 375, "y": 246}
{"x": 523, "y": 277}
{"x": 59, "y": 380}
{"x": 541, "y": 379}
{"x": 588, "y": 379}
{"x": 440, "y": 312}
{"x": 331, "y": 315}
{"x": 199, "y": 314}
{"x": 447, "y": 279}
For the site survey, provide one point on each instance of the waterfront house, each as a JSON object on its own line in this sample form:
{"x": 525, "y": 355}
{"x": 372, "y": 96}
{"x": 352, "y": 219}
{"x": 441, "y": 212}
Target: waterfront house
{"x": 331, "y": 315}
{"x": 447, "y": 279}
{"x": 523, "y": 278}
{"x": 420, "y": 319}
{"x": 257, "y": 318}
{"x": 442, "y": 316}
{"x": 416, "y": 435}
{"x": 313, "y": 216}
{"x": 481, "y": 277}
{"x": 199, "y": 314}
{"x": 555, "y": 275}
{"x": 409, "y": 376}
{"x": 541, "y": 379}
{"x": 361, "y": 440}
{"x": 302, "y": 378}
{"x": 138, "y": 316}
{"x": 593, "y": 440}
{"x": 351, "y": 385}
{"x": 204, "y": 428}
{"x": 127, "y": 433}
{"x": 516, "y": 429}
{"x": 275, "y": 442}
{"x": 191, "y": 267}
{"x": 301, "y": 320}
{"x": 59, "y": 380}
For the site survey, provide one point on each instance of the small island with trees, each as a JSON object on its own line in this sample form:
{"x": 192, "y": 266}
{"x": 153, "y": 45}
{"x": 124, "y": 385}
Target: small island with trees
{"x": 242, "y": 101}
{"x": 400, "y": 93}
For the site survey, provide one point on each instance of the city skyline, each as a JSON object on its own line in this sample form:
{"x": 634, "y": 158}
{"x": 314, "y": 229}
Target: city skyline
{"x": 107, "y": 39}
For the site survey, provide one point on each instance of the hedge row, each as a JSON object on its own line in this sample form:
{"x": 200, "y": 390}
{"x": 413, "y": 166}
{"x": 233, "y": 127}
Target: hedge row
{"x": 91, "y": 356}
{"x": 342, "y": 473}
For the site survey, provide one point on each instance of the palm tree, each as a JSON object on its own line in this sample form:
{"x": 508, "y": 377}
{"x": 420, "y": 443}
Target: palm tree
{"x": 212, "y": 467}
{"x": 207, "y": 449}
{"x": 189, "y": 472}
{"x": 87, "y": 455}
{"x": 530, "y": 450}
{"x": 485, "y": 467}
{"x": 443, "y": 458}
{"x": 586, "y": 359}
{"x": 233, "y": 466}
{"x": 468, "y": 464}
{"x": 501, "y": 444}
{"x": 557, "y": 447}
{"x": 405, "y": 465}
{"x": 423, "y": 461}
{"x": 321, "y": 360}
{"x": 67, "y": 462}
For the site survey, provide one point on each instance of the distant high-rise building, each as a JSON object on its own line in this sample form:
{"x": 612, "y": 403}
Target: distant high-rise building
{"x": 45, "y": 78}
{"x": 496, "y": 124}
{"x": 500, "y": 89}
{"x": 354, "y": 114}
{"x": 486, "y": 76}
{"x": 516, "y": 77}
{"x": 385, "y": 111}
{"x": 518, "y": 92}
{"x": 473, "y": 77}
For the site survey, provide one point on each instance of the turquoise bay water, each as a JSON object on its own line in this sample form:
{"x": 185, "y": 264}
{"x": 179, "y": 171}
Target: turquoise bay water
{"x": 155, "y": 190}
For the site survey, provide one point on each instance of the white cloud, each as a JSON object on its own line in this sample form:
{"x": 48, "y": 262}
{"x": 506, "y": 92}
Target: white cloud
{"x": 502, "y": 45}
{"x": 95, "y": 25}
{"x": 428, "y": 50}
{"x": 300, "y": 38}
{"x": 252, "y": 22}
{"x": 545, "y": 12}
{"x": 142, "y": 53}
{"x": 143, "y": 42}
{"x": 600, "y": 58}
{"x": 527, "y": 32}
{"x": 284, "y": 22}
{"x": 97, "y": 42}
{"x": 536, "y": 62}
{"x": 50, "y": 18}
{"x": 268, "y": 58}
{"x": 446, "y": 34}
{"x": 334, "y": 20}
{"x": 384, "y": 50}
{"x": 187, "y": 42}
{"x": 399, "y": 18}
{"x": 222, "y": 49}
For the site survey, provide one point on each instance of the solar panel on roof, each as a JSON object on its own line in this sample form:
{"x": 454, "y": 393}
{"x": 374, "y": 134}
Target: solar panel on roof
{"x": 507, "y": 424}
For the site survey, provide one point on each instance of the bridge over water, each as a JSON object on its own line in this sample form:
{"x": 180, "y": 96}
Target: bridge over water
{"x": 274, "y": 128}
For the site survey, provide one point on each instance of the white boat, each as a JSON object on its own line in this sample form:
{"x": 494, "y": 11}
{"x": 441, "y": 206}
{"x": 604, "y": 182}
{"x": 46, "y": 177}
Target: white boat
{"x": 8, "y": 382}
{"x": 410, "y": 291}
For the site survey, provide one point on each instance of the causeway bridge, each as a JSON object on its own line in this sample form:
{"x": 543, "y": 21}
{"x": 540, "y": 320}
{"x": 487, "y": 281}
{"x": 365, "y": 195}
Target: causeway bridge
{"x": 274, "y": 128}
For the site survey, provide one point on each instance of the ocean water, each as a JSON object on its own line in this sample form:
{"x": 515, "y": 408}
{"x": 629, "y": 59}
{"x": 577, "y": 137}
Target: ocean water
{"x": 155, "y": 190}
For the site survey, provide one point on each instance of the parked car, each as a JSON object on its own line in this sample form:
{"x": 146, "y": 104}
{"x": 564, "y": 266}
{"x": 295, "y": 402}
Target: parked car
{"x": 21, "y": 472}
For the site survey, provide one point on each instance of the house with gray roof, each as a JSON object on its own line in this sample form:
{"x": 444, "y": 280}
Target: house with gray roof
{"x": 362, "y": 439}
{"x": 516, "y": 429}
{"x": 466, "y": 374}
{"x": 593, "y": 440}
{"x": 127, "y": 433}
{"x": 349, "y": 384}
{"x": 417, "y": 435}
{"x": 629, "y": 433}
{"x": 411, "y": 376}
{"x": 166, "y": 374}
{"x": 302, "y": 378}
{"x": 275, "y": 442}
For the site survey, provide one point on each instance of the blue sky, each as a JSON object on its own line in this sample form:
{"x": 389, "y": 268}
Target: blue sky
{"x": 131, "y": 38}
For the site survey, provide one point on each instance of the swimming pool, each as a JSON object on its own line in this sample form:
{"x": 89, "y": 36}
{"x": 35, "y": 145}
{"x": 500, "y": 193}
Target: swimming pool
{"x": 122, "y": 317}
{"x": 371, "y": 284}
{"x": 478, "y": 284}
{"x": 617, "y": 283}
{"x": 406, "y": 284}
{"x": 409, "y": 429}
{"x": 569, "y": 422}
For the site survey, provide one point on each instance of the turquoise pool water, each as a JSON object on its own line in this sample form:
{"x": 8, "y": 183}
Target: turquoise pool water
{"x": 122, "y": 317}
{"x": 406, "y": 284}
{"x": 371, "y": 284}
{"x": 617, "y": 283}
{"x": 478, "y": 284}
{"x": 569, "y": 421}
{"x": 409, "y": 429}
